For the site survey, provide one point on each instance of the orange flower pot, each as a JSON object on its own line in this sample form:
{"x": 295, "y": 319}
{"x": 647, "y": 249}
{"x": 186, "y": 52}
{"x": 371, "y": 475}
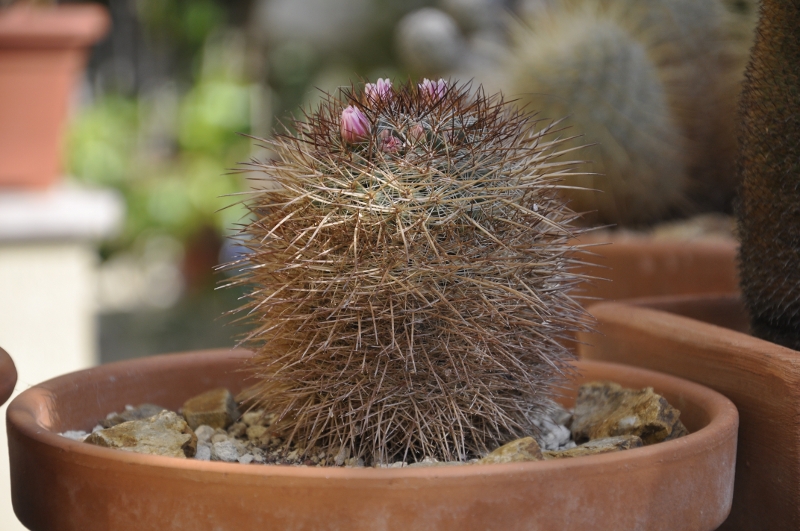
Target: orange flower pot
{"x": 58, "y": 483}
{"x": 643, "y": 267}
{"x": 42, "y": 53}
{"x": 704, "y": 339}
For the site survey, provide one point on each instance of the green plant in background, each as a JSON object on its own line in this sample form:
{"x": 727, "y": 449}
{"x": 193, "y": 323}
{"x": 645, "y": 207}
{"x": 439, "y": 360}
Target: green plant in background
{"x": 409, "y": 274}
{"x": 167, "y": 152}
{"x": 654, "y": 85}
{"x": 769, "y": 205}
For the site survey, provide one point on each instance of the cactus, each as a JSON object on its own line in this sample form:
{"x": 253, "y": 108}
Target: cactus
{"x": 769, "y": 206}
{"x": 653, "y": 85}
{"x": 409, "y": 274}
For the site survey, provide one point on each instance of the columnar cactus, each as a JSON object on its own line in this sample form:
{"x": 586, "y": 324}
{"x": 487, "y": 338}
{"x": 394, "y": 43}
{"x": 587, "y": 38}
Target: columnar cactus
{"x": 409, "y": 273}
{"x": 769, "y": 206}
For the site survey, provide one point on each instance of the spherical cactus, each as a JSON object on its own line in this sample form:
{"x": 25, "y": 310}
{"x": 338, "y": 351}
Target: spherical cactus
{"x": 652, "y": 84}
{"x": 409, "y": 269}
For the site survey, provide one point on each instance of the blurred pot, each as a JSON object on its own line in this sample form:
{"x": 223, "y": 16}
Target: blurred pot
{"x": 8, "y": 376}
{"x": 42, "y": 53}
{"x": 633, "y": 267}
{"x": 58, "y": 483}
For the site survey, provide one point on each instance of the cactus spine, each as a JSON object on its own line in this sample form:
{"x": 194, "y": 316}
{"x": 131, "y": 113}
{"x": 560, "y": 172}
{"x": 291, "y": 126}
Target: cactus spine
{"x": 410, "y": 274}
{"x": 769, "y": 206}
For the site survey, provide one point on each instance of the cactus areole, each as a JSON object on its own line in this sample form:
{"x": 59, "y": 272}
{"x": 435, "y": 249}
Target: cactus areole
{"x": 769, "y": 205}
{"x": 409, "y": 273}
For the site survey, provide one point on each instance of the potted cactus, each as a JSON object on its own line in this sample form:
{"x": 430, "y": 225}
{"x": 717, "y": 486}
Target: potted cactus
{"x": 653, "y": 87}
{"x": 745, "y": 347}
{"x": 409, "y": 269}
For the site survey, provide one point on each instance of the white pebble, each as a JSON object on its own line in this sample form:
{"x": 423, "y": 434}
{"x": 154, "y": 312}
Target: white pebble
{"x": 204, "y": 433}
{"x": 75, "y": 435}
{"x": 219, "y": 437}
{"x": 203, "y": 452}
{"x": 225, "y": 451}
{"x": 246, "y": 459}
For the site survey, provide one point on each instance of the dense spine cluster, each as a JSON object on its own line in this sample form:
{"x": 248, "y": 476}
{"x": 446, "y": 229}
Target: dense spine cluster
{"x": 769, "y": 205}
{"x": 410, "y": 270}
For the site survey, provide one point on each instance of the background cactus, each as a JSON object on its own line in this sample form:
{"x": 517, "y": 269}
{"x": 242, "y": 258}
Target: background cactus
{"x": 409, "y": 281}
{"x": 654, "y": 85}
{"x": 769, "y": 206}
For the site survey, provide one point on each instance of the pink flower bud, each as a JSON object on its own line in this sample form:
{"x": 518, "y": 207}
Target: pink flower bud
{"x": 433, "y": 89}
{"x": 416, "y": 133}
{"x": 381, "y": 90}
{"x": 354, "y": 125}
{"x": 388, "y": 143}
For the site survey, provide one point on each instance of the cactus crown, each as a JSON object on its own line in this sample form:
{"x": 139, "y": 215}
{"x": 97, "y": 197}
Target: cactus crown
{"x": 409, "y": 273}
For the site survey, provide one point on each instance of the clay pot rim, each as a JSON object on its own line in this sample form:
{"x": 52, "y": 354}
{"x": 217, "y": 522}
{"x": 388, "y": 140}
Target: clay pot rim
{"x": 68, "y": 25}
{"x": 633, "y": 241}
{"x": 638, "y": 313}
{"x": 29, "y": 414}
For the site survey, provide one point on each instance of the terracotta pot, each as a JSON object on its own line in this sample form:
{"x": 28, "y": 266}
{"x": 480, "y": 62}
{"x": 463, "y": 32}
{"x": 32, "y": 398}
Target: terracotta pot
{"x": 644, "y": 267}
{"x": 8, "y": 376}
{"x": 42, "y": 53}
{"x": 702, "y": 338}
{"x": 62, "y": 484}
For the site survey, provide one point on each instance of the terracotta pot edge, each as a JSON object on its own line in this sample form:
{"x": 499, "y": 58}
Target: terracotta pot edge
{"x": 63, "y": 26}
{"x": 716, "y": 244}
{"x": 634, "y": 314}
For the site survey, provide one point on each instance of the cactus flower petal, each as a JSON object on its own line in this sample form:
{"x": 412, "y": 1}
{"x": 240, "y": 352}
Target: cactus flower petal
{"x": 435, "y": 90}
{"x": 380, "y": 90}
{"x": 354, "y": 125}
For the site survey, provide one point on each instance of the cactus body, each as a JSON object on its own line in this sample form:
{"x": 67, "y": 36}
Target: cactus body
{"x": 769, "y": 206}
{"x": 410, "y": 285}
{"x": 653, "y": 84}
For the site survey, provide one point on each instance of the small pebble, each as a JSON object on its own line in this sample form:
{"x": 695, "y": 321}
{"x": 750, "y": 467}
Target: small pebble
{"x": 237, "y": 429}
{"x": 428, "y": 461}
{"x": 75, "y": 435}
{"x": 204, "y": 433}
{"x": 257, "y": 418}
{"x": 219, "y": 437}
{"x": 254, "y": 433}
{"x": 225, "y": 451}
{"x": 203, "y": 452}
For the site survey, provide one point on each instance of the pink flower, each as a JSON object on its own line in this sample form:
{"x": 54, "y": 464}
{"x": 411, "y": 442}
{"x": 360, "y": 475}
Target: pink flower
{"x": 354, "y": 125}
{"x": 381, "y": 90}
{"x": 433, "y": 89}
